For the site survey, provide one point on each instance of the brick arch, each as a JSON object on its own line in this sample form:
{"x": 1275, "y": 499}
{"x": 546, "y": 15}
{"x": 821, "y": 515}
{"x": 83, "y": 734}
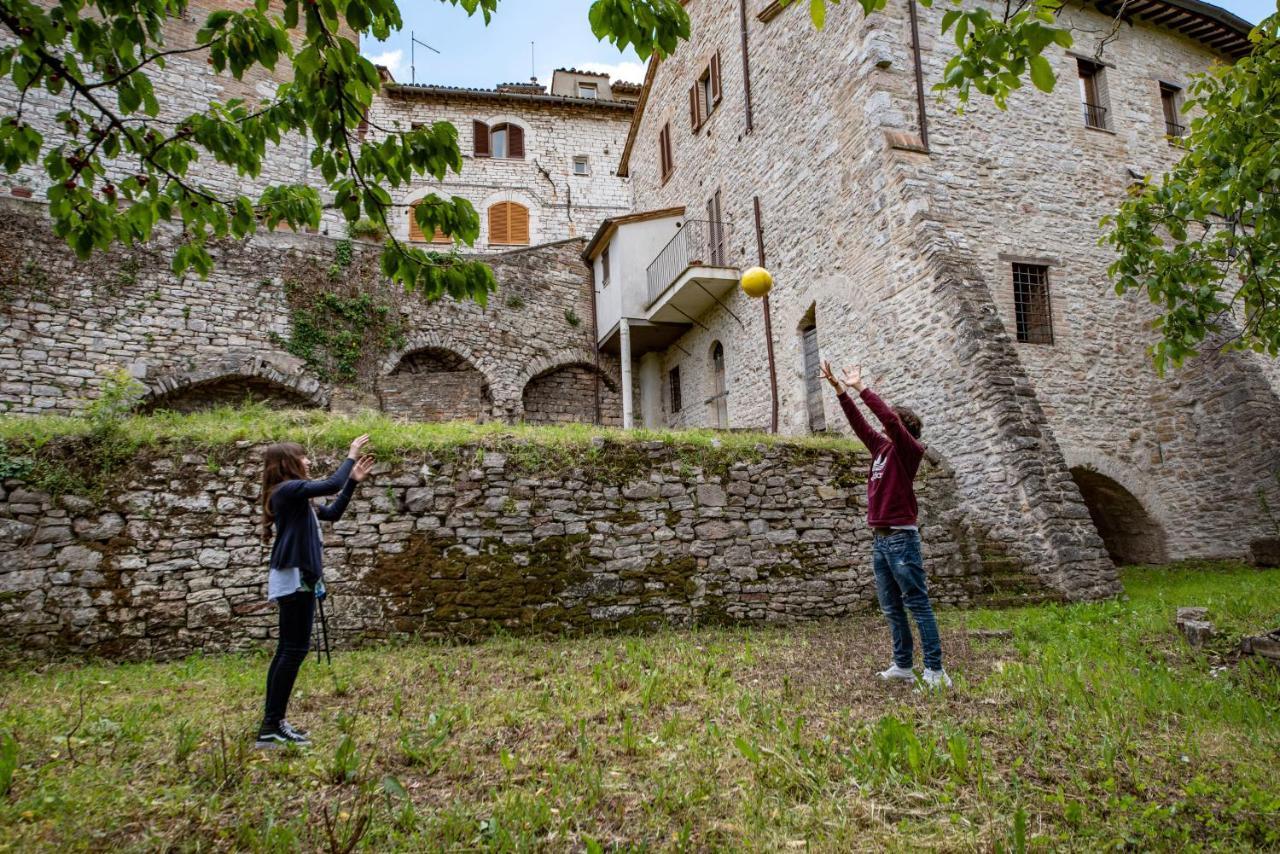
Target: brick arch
{"x": 1125, "y": 508}
{"x": 459, "y": 386}
{"x": 220, "y": 382}
{"x": 560, "y": 388}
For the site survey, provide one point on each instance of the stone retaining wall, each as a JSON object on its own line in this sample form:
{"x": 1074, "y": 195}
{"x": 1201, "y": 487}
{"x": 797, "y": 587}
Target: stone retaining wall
{"x": 616, "y": 535}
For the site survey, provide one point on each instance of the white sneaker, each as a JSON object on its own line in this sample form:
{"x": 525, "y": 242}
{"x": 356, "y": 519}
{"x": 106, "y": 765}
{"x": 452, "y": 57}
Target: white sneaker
{"x": 936, "y": 679}
{"x": 902, "y": 674}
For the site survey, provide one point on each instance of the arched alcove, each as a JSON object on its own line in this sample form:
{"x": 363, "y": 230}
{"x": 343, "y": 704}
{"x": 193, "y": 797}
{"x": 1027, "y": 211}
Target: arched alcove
{"x": 436, "y": 384}
{"x": 567, "y": 393}
{"x": 230, "y": 390}
{"x": 1129, "y": 532}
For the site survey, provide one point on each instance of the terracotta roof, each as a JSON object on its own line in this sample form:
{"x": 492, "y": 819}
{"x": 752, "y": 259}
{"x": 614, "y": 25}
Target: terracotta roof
{"x": 586, "y": 73}
{"x": 624, "y": 86}
{"x": 405, "y": 89}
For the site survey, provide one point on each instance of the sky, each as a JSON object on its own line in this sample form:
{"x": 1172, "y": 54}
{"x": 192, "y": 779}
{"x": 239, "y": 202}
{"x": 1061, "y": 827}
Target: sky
{"x": 472, "y": 54}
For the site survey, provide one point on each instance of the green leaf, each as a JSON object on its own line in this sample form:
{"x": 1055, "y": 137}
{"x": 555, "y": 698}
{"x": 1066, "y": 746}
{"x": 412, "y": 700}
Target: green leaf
{"x": 818, "y": 13}
{"x": 1042, "y": 74}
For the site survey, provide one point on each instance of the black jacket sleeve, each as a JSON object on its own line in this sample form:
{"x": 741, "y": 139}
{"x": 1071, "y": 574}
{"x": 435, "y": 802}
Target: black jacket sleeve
{"x": 333, "y": 511}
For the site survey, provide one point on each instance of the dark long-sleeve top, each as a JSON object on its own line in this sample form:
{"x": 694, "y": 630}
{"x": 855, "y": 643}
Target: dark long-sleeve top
{"x": 895, "y": 458}
{"x": 298, "y": 542}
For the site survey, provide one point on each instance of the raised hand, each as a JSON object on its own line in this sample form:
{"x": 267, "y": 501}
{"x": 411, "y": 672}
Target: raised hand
{"x": 363, "y": 467}
{"x": 830, "y": 376}
{"x": 853, "y": 377}
{"x": 357, "y": 445}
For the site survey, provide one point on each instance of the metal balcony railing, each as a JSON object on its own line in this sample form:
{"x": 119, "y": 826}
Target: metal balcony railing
{"x": 1095, "y": 116}
{"x": 1174, "y": 129}
{"x": 698, "y": 242}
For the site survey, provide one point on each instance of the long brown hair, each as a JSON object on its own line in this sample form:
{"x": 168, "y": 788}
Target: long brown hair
{"x": 280, "y": 462}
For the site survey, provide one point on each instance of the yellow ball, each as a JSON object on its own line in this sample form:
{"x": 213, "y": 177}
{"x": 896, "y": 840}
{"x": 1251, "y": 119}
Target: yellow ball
{"x": 756, "y": 282}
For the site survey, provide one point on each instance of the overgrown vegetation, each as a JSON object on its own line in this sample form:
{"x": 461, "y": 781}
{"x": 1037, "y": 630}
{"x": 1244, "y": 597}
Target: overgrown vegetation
{"x": 69, "y": 455}
{"x": 335, "y": 333}
{"x": 1094, "y": 727}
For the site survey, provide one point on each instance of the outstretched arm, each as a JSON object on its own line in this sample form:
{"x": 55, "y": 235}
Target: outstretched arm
{"x": 892, "y": 423}
{"x": 333, "y": 511}
{"x": 307, "y": 489}
{"x": 866, "y": 433}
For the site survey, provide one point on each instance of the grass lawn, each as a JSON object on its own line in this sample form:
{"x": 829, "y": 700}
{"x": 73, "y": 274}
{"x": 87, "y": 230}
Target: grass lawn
{"x": 1095, "y": 725}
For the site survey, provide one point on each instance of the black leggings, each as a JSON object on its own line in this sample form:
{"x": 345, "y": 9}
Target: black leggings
{"x": 297, "y": 613}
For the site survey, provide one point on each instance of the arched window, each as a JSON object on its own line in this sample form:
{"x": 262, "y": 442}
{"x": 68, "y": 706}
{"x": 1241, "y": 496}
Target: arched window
{"x": 719, "y": 401}
{"x": 415, "y": 232}
{"x": 508, "y": 224}
{"x": 502, "y": 141}
{"x": 812, "y": 373}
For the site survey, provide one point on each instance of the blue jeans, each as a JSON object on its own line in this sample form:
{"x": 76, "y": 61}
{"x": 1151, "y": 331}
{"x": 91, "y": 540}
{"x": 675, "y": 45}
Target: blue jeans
{"x": 900, "y": 582}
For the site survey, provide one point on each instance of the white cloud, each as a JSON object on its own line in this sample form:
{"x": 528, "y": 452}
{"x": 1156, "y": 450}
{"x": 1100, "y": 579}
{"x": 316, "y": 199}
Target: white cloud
{"x": 394, "y": 60}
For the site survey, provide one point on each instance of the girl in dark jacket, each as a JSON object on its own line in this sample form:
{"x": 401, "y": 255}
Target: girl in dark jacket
{"x": 297, "y": 576}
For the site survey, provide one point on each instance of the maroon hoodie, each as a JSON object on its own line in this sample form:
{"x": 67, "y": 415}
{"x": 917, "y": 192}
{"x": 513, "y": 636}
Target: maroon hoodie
{"x": 894, "y": 460}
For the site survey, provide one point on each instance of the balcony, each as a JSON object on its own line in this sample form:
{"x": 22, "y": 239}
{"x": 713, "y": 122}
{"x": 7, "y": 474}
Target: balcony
{"x": 1095, "y": 116}
{"x": 1174, "y": 129}
{"x": 691, "y": 273}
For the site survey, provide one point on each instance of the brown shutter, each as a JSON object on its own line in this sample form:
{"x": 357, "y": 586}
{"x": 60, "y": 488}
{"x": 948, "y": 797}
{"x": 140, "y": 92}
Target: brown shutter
{"x": 481, "y": 132}
{"x": 515, "y": 142}
{"x": 662, "y": 151}
{"x": 440, "y": 237}
{"x": 694, "y": 124}
{"x": 415, "y": 233}
{"x": 715, "y": 78}
{"x": 498, "y": 230}
{"x": 671, "y": 160}
{"x": 518, "y": 224}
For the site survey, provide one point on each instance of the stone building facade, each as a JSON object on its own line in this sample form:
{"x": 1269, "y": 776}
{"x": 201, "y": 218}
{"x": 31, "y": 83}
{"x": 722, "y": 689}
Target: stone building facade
{"x": 538, "y": 167}
{"x": 894, "y": 228}
{"x": 257, "y": 329}
{"x": 471, "y": 539}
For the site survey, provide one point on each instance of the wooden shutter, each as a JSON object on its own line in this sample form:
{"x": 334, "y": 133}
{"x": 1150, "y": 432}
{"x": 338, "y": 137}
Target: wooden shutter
{"x": 415, "y": 233}
{"x": 481, "y": 133}
{"x": 441, "y": 237}
{"x": 715, "y": 78}
{"x": 515, "y": 142}
{"x": 662, "y": 150}
{"x": 694, "y": 124}
{"x": 518, "y": 224}
{"x": 499, "y": 232}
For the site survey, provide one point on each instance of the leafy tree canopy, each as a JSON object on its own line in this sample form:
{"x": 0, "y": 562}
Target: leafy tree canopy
{"x": 1203, "y": 240}
{"x": 122, "y": 166}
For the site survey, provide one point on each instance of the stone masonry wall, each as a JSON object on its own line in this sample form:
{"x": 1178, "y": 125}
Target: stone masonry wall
{"x": 562, "y": 205}
{"x": 65, "y": 324}
{"x": 616, "y": 535}
{"x": 904, "y": 258}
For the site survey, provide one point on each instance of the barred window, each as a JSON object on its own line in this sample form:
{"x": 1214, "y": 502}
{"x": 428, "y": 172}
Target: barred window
{"x": 674, "y": 376}
{"x": 1032, "y": 307}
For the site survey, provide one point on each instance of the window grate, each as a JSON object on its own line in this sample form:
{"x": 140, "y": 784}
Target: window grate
{"x": 674, "y": 376}
{"x": 1032, "y": 308}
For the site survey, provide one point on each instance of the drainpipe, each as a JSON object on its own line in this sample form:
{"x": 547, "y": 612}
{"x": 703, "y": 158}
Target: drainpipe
{"x": 746, "y": 63}
{"x": 624, "y": 340}
{"x": 921, "y": 115}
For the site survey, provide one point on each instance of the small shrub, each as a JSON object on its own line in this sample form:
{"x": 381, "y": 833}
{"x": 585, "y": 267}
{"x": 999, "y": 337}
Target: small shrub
{"x": 571, "y": 317}
{"x": 367, "y": 229}
{"x": 185, "y": 741}
{"x": 345, "y": 765}
{"x": 515, "y": 302}
{"x": 119, "y": 394}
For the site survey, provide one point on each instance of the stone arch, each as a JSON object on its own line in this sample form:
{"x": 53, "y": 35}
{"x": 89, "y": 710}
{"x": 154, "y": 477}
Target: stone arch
{"x": 1124, "y": 508}
{"x": 717, "y": 386}
{"x": 235, "y": 380}
{"x": 436, "y": 379}
{"x": 561, "y": 388}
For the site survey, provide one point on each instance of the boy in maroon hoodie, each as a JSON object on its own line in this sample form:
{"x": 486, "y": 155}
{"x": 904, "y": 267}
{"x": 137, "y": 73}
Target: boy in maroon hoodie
{"x": 891, "y": 513}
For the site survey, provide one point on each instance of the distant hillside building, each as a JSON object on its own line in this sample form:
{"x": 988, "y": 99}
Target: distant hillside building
{"x": 539, "y": 166}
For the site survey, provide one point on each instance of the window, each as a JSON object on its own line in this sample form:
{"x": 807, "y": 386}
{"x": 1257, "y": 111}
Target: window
{"x": 508, "y": 224}
{"x": 588, "y": 90}
{"x": 415, "y": 231}
{"x": 1170, "y": 100}
{"x": 673, "y": 378}
{"x": 664, "y": 152}
{"x": 604, "y": 268}
{"x": 1032, "y": 308}
{"x": 704, "y": 95}
{"x": 719, "y": 401}
{"x": 581, "y": 165}
{"x": 501, "y": 142}
{"x": 812, "y": 375}
{"x": 1093, "y": 93}
{"x": 715, "y": 231}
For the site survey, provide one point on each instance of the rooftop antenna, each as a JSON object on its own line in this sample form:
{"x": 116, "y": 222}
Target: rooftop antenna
{"x": 533, "y": 74}
{"x": 413, "y": 68}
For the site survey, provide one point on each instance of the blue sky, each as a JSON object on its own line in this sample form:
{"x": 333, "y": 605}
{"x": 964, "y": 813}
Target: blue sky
{"x": 474, "y": 55}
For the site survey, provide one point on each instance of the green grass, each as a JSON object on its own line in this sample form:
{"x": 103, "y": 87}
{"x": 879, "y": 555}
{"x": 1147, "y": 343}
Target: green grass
{"x": 1094, "y": 726}
{"x": 326, "y": 431}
